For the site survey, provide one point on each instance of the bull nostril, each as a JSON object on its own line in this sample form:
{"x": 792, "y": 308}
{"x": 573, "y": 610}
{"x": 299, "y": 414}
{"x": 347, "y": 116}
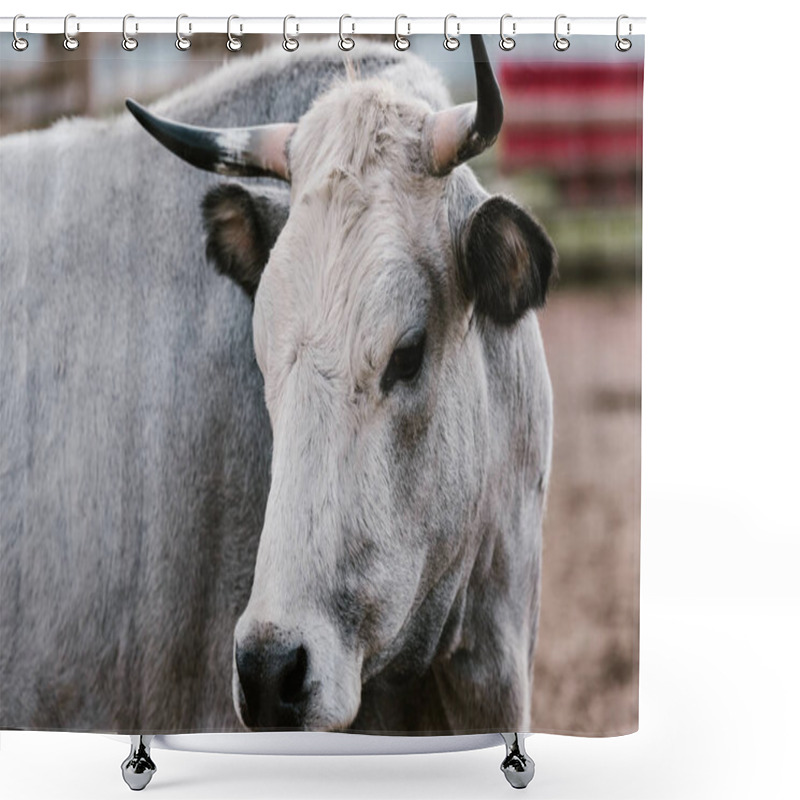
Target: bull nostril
{"x": 272, "y": 682}
{"x": 248, "y": 668}
{"x": 293, "y": 677}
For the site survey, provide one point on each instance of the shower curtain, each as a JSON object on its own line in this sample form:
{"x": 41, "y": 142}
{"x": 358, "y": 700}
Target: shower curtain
{"x": 320, "y": 385}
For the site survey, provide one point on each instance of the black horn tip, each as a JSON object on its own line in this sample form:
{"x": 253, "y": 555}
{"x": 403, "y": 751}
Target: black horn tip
{"x": 144, "y": 117}
{"x": 197, "y": 146}
{"x": 489, "y": 118}
{"x": 478, "y": 47}
{"x": 137, "y": 110}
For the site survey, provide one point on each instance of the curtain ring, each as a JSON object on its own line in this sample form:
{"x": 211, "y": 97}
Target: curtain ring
{"x": 290, "y": 44}
{"x": 623, "y": 45}
{"x": 401, "y": 42}
{"x": 507, "y": 42}
{"x": 181, "y": 42}
{"x": 18, "y": 43}
{"x": 129, "y": 43}
{"x": 451, "y": 42}
{"x": 70, "y": 42}
{"x": 233, "y": 44}
{"x": 561, "y": 43}
{"x": 345, "y": 42}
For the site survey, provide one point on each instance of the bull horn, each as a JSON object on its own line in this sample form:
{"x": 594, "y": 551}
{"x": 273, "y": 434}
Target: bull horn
{"x": 459, "y": 133}
{"x": 243, "y": 152}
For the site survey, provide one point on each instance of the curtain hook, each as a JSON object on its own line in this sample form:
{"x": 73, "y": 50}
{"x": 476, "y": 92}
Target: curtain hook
{"x": 290, "y": 44}
{"x": 129, "y": 43}
{"x": 623, "y": 45}
{"x": 401, "y": 42}
{"x": 70, "y": 42}
{"x": 233, "y": 44}
{"x": 507, "y": 42}
{"x": 561, "y": 43}
{"x": 18, "y": 43}
{"x": 181, "y": 42}
{"x": 451, "y": 42}
{"x": 345, "y": 42}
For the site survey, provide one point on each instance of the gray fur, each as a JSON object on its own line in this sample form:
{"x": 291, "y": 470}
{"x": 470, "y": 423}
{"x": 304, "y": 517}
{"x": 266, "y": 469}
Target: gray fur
{"x": 136, "y": 451}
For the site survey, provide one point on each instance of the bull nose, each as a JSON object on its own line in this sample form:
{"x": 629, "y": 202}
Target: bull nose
{"x": 272, "y": 677}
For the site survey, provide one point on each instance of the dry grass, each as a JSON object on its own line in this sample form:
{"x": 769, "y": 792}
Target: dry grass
{"x": 586, "y": 671}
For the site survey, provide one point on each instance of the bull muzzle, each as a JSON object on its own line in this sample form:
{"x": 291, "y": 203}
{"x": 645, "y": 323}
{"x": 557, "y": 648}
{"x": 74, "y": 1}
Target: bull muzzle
{"x": 295, "y": 676}
{"x": 273, "y": 683}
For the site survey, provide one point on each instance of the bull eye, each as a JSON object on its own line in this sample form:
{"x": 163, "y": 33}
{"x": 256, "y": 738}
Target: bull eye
{"x": 406, "y": 360}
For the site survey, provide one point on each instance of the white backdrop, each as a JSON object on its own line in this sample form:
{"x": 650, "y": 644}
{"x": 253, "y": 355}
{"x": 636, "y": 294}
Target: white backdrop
{"x": 721, "y": 435}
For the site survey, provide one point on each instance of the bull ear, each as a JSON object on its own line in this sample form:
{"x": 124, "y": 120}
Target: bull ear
{"x": 241, "y": 228}
{"x": 506, "y": 260}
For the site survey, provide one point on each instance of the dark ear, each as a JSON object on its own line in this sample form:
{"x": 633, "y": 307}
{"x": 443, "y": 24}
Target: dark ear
{"x": 505, "y": 260}
{"x": 241, "y": 228}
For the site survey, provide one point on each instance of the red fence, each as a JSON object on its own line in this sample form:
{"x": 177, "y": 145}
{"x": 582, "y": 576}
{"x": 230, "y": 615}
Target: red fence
{"x": 572, "y": 119}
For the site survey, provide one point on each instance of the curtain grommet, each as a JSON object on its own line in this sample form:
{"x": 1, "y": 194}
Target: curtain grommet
{"x": 451, "y": 43}
{"x": 181, "y": 42}
{"x": 70, "y": 42}
{"x": 561, "y": 43}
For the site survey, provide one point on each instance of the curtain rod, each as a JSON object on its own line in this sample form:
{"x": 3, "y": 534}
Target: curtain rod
{"x": 456, "y": 26}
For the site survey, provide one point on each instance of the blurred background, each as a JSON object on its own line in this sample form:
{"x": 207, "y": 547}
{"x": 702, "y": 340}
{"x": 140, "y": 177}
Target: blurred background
{"x": 571, "y": 152}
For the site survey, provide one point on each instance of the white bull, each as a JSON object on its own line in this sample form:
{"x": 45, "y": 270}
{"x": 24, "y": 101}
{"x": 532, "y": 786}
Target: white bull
{"x": 396, "y": 581}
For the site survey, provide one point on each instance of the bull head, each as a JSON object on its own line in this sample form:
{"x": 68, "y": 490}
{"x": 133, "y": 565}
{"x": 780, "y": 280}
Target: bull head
{"x": 411, "y": 447}
{"x": 452, "y": 136}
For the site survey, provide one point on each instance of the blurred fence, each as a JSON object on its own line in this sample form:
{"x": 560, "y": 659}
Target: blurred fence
{"x": 571, "y": 147}
{"x": 36, "y": 92}
{"x": 47, "y": 82}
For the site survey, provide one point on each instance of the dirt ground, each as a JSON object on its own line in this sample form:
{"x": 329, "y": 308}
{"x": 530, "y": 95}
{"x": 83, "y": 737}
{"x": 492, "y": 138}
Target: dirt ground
{"x": 586, "y": 669}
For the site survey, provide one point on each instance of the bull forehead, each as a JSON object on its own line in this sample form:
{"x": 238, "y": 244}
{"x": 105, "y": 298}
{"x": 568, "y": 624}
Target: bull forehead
{"x": 353, "y": 269}
{"x": 359, "y": 127}
{"x": 366, "y": 244}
